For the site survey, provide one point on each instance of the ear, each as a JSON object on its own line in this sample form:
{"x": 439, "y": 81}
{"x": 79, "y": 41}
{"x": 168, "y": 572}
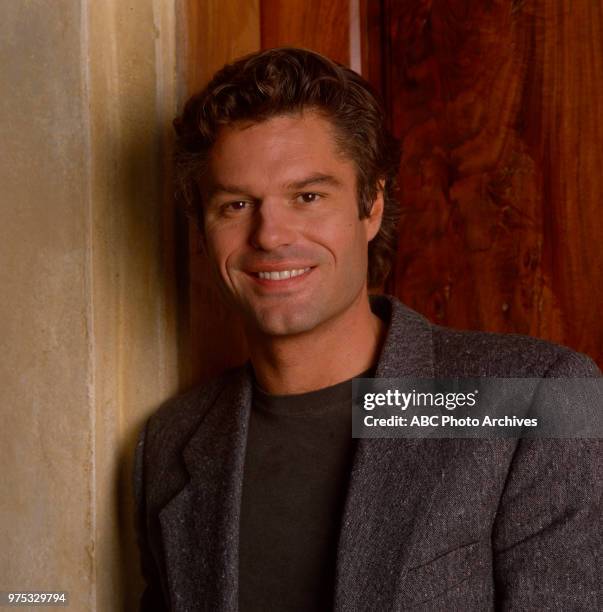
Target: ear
{"x": 373, "y": 221}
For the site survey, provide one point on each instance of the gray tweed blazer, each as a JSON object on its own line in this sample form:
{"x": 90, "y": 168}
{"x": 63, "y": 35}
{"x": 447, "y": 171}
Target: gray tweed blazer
{"x": 428, "y": 524}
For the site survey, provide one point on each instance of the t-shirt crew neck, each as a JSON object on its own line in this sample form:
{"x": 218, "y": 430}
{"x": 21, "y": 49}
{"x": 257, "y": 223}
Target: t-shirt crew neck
{"x": 298, "y": 459}
{"x": 310, "y": 402}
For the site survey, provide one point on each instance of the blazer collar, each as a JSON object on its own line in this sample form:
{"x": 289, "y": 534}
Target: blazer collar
{"x": 408, "y": 346}
{"x": 200, "y": 526}
{"x": 391, "y": 481}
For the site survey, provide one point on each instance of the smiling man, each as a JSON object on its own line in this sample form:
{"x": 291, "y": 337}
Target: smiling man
{"x": 290, "y": 250}
{"x": 251, "y": 492}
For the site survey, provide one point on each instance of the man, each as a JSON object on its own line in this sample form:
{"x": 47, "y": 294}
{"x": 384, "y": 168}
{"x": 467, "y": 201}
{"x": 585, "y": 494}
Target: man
{"x": 251, "y": 492}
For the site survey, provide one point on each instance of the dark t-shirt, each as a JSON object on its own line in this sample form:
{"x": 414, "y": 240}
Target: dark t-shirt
{"x": 297, "y": 466}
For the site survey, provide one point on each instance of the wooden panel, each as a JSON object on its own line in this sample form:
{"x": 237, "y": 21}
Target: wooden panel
{"x": 321, "y": 26}
{"x": 216, "y": 32}
{"x": 498, "y": 105}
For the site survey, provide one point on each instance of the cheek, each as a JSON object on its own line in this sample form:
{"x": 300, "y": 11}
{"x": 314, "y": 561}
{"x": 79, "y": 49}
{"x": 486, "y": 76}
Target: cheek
{"x": 221, "y": 241}
{"x": 225, "y": 247}
{"x": 213, "y": 248}
{"x": 345, "y": 240}
{"x": 218, "y": 255}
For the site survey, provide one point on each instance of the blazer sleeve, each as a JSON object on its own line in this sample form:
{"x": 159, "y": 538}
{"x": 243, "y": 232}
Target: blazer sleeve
{"x": 152, "y": 599}
{"x": 546, "y": 538}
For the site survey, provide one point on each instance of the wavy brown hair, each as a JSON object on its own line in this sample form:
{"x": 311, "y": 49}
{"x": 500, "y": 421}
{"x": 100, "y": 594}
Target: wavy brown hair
{"x": 284, "y": 81}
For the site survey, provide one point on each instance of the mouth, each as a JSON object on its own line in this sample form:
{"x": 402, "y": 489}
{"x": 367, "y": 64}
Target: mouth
{"x": 281, "y": 278}
{"x": 279, "y": 275}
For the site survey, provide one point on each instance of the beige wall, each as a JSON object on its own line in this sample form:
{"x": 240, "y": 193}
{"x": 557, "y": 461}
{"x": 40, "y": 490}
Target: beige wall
{"x": 87, "y": 310}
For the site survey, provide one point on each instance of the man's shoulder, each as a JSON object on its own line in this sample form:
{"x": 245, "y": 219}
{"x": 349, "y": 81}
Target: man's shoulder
{"x": 179, "y": 417}
{"x": 481, "y": 353}
{"x": 449, "y": 352}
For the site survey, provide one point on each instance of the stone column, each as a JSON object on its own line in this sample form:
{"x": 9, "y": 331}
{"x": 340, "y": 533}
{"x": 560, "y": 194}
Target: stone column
{"x": 87, "y": 314}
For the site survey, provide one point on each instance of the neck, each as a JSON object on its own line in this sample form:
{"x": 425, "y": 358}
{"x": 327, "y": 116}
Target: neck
{"x": 335, "y": 351}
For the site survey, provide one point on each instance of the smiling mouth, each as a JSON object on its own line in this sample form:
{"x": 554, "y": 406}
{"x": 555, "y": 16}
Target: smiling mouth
{"x": 280, "y": 275}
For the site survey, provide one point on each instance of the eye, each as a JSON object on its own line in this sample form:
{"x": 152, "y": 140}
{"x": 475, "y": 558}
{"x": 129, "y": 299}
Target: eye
{"x": 233, "y": 207}
{"x": 237, "y": 205}
{"x": 309, "y": 197}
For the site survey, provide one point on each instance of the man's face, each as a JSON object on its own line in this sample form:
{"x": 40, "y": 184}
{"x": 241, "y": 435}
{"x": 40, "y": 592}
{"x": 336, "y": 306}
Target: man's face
{"x": 281, "y": 224}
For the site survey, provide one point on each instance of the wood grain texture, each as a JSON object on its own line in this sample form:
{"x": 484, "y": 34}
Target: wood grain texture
{"x": 320, "y": 26}
{"x": 498, "y": 105}
{"x": 216, "y": 32}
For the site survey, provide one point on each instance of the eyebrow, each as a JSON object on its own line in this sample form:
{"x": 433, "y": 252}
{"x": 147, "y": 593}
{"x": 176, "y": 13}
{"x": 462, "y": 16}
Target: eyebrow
{"x": 314, "y": 179}
{"x": 215, "y": 188}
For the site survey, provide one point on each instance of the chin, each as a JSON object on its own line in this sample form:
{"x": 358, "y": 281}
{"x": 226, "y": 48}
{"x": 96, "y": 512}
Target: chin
{"x": 284, "y": 323}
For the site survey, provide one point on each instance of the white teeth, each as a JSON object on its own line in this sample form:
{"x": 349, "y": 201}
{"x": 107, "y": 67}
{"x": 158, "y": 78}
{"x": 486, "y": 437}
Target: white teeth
{"x": 282, "y": 274}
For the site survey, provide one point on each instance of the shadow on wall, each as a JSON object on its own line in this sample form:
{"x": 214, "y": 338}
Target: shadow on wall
{"x": 140, "y": 324}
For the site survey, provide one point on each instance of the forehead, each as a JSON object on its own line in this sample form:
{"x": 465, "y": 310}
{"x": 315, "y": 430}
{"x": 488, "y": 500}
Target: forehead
{"x": 281, "y": 149}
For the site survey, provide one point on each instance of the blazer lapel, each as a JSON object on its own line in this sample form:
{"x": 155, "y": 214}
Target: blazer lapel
{"x": 391, "y": 482}
{"x": 200, "y": 526}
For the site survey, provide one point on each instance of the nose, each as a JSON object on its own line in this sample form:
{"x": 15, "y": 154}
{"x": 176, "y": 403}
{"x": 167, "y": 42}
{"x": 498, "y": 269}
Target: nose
{"x": 273, "y": 226}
